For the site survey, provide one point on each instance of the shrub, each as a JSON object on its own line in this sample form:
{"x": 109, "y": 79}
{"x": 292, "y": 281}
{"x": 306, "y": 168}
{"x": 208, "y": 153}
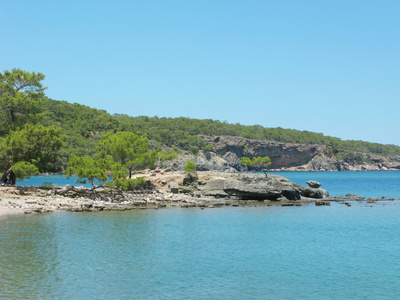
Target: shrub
{"x": 190, "y": 167}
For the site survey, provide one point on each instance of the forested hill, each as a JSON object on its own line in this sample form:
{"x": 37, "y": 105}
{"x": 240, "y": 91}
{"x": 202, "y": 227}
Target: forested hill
{"x": 84, "y": 126}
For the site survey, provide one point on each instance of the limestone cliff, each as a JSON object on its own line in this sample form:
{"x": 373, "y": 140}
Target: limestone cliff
{"x": 228, "y": 150}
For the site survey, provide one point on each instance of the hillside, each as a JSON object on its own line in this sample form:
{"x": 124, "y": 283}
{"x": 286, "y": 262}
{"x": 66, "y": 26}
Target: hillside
{"x": 84, "y": 126}
{"x": 40, "y": 135}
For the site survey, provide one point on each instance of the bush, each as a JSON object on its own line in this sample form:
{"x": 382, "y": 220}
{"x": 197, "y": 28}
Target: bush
{"x": 47, "y": 186}
{"x": 128, "y": 184}
{"x": 190, "y": 167}
{"x": 136, "y": 183}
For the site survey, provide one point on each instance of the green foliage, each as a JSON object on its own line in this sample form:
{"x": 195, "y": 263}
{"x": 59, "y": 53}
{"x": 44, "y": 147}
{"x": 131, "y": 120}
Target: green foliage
{"x": 328, "y": 151}
{"x": 163, "y": 156}
{"x": 352, "y": 158}
{"x": 34, "y": 144}
{"x": 129, "y": 184}
{"x": 128, "y": 149}
{"x": 190, "y": 167}
{"x": 24, "y": 170}
{"x": 47, "y": 186}
{"x": 84, "y": 127}
{"x": 88, "y": 168}
{"x": 87, "y": 130}
{"x": 27, "y": 147}
{"x": 118, "y": 156}
{"x": 21, "y": 95}
{"x": 257, "y": 163}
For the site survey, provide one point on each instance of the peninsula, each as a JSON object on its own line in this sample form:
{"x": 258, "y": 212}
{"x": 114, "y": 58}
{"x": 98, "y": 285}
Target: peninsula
{"x": 165, "y": 188}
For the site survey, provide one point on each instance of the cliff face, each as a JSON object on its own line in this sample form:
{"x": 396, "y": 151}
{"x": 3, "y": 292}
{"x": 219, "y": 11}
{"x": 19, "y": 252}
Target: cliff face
{"x": 282, "y": 155}
{"x": 228, "y": 150}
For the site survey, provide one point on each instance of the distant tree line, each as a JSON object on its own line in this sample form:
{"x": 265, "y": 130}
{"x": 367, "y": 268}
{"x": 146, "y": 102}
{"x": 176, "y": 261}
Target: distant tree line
{"x": 84, "y": 126}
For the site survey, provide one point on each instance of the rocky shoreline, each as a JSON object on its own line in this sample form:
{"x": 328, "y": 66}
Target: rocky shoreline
{"x": 173, "y": 189}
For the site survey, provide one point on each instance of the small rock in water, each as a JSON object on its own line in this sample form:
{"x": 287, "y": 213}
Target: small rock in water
{"x": 314, "y": 184}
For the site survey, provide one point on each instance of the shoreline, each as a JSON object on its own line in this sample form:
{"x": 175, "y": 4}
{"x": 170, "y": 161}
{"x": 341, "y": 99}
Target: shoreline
{"x": 33, "y": 204}
{"x": 171, "y": 189}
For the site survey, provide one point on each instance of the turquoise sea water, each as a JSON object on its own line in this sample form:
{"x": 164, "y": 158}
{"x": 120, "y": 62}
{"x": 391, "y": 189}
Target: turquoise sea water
{"x": 56, "y": 180}
{"x": 367, "y": 184}
{"x": 263, "y": 252}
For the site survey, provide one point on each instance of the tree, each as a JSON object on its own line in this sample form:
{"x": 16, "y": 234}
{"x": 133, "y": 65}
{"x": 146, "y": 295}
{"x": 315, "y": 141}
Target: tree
{"x": 190, "y": 167}
{"x": 88, "y": 168}
{"x": 97, "y": 172}
{"x": 129, "y": 150}
{"x": 30, "y": 150}
{"x": 164, "y": 156}
{"x": 257, "y": 162}
{"x": 21, "y": 93}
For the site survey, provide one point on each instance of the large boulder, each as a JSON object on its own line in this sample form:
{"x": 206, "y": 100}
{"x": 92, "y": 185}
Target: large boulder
{"x": 314, "y": 193}
{"x": 252, "y": 187}
{"x": 174, "y": 187}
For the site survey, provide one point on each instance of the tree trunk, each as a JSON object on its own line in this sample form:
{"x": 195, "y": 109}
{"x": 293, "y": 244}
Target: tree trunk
{"x": 265, "y": 172}
{"x": 5, "y": 175}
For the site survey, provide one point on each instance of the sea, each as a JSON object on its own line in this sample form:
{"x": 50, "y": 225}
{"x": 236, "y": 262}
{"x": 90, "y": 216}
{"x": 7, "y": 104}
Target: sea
{"x": 256, "y": 252}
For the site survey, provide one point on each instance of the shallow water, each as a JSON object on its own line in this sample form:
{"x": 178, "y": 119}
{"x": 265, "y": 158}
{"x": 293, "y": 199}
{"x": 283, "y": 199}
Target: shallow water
{"x": 264, "y": 252}
{"x": 367, "y": 184}
{"x": 307, "y": 252}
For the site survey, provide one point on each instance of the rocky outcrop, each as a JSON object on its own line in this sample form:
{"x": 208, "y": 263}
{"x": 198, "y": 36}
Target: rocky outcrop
{"x": 371, "y": 163}
{"x": 172, "y": 189}
{"x": 210, "y": 189}
{"x": 228, "y": 151}
{"x": 205, "y": 161}
{"x": 282, "y": 155}
{"x": 258, "y": 187}
{"x": 217, "y": 185}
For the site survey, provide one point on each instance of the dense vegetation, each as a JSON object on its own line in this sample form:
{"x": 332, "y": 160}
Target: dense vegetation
{"x": 84, "y": 127}
{"x": 41, "y": 134}
{"x": 26, "y": 146}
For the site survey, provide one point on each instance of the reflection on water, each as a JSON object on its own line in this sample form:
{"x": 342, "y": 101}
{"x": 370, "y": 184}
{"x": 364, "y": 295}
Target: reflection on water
{"x": 307, "y": 252}
{"x": 49, "y": 254}
{"x": 28, "y": 254}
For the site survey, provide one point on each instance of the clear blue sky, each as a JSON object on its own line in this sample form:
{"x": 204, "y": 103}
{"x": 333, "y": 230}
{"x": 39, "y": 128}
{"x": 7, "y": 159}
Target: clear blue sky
{"x": 323, "y": 66}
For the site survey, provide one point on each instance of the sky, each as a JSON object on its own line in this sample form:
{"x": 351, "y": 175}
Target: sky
{"x": 324, "y": 66}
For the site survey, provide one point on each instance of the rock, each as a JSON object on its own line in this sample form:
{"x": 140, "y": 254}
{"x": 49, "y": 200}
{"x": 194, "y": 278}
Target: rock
{"x": 204, "y": 161}
{"x": 313, "y": 184}
{"x": 314, "y": 193}
{"x": 253, "y": 187}
{"x": 30, "y": 201}
{"x": 228, "y": 151}
{"x": 281, "y": 154}
{"x": 320, "y": 203}
{"x": 190, "y": 178}
{"x": 174, "y": 187}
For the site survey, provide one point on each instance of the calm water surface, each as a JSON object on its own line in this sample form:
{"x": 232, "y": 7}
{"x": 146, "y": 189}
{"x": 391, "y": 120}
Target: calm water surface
{"x": 367, "y": 184}
{"x": 306, "y": 252}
